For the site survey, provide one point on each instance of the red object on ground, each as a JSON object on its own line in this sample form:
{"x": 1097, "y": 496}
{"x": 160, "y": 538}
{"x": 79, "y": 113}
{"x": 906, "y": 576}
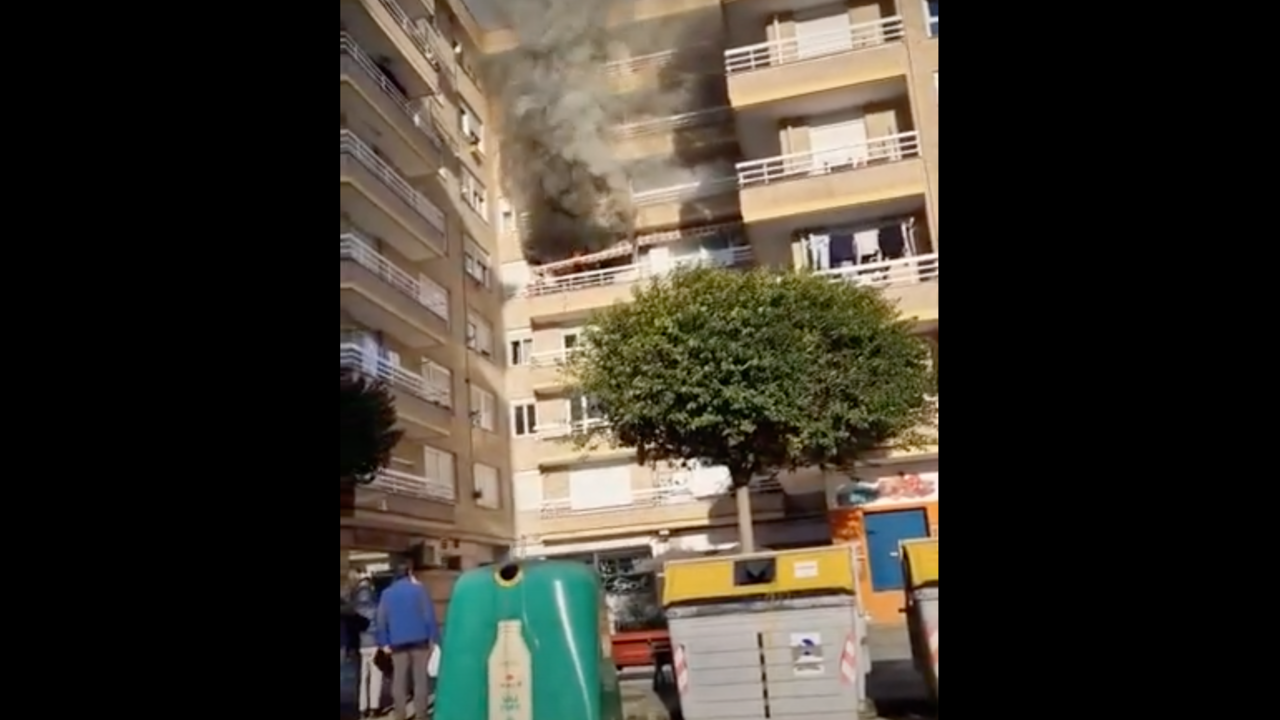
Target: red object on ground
{"x": 640, "y": 648}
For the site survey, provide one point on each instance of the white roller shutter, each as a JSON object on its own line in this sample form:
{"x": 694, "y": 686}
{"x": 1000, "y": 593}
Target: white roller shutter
{"x": 600, "y": 487}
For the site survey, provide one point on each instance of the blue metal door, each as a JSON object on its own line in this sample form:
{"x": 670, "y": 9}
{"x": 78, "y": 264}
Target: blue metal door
{"x": 884, "y": 531}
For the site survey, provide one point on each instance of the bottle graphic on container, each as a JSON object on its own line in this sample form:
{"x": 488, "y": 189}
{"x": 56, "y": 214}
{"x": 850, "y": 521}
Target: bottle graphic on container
{"x": 510, "y": 691}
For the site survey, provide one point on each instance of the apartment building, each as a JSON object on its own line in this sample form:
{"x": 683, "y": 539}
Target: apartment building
{"x": 819, "y": 150}
{"x": 420, "y": 302}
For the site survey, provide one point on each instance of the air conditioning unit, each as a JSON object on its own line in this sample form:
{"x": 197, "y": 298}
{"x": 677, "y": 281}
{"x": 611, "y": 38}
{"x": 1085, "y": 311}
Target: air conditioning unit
{"x": 427, "y": 554}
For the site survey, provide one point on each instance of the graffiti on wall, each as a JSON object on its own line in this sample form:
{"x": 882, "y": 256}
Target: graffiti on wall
{"x": 896, "y": 489}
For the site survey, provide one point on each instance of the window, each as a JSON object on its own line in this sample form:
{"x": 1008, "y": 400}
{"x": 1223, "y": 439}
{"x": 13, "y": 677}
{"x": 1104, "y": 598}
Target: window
{"x": 488, "y": 489}
{"x": 600, "y": 487}
{"x": 474, "y": 194}
{"x": 519, "y": 347}
{"x": 524, "y": 418}
{"x": 582, "y": 409}
{"x": 437, "y": 467}
{"x": 472, "y": 128}
{"x": 506, "y": 216}
{"x": 479, "y": 335}
{"x": 935, "y": 82}
{"x": 483, "y": 408}
{"x": 476, "y": 261}
{"x": 515, "y": 276}
{"x": 931, "y": 16}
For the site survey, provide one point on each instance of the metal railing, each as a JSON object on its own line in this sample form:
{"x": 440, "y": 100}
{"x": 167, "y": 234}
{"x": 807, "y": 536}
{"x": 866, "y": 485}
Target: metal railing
{"x": 410, "y": 485}
{"x": 356, "y": 148}
{"x": 551, "y": 358}
{"x": 420, "y": 118}
{"x": 425, "y": 291}
{"x": 647, "y": 498}
{"x": 416, "y": 37}
{"x": 683, "y": 192}
{"x": 889, "y": 273}
{"x": 889, "y": 148}
{"x": 697, "y": 118}
{"x": 639, "y": 63}
{"x": 565, "y": 429}
{"x": 783, "y": 51}
{"x": 357, "y": 358}
{"x": 632, "y": 273}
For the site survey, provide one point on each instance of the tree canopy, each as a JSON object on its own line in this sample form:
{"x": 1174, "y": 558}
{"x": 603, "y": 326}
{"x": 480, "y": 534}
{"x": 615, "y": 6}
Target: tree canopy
{"x": 368, "y": 427}
{"x": 755, "y": 371}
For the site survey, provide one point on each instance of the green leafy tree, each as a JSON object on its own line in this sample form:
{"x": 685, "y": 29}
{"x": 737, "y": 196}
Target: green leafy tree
{"x": 758, "y": 372}
{"x": 368, "y": 427}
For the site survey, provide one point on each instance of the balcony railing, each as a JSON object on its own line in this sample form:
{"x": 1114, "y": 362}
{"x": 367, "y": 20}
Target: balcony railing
{"x": 417, "y": 37}
{"x": 551, "y": 358}
{"x": 632, "y": 273}
{"x": 795, "y": 49}
{"x": 889, "y": 148}
{"x": 683, "y": 192}
{"x": 356, "y": 148}
{"x": 565, "y": 429}
{"x": 639, "y": 63}
{"x": 697, "y": 118}
{"x": 433, "y": 390}
{"x": 652, "y": 497}
{"x": 424, "y": 291}
{"x": 403, "y": 483}
{"x": 890, "y": 273}
{"x": 418, "y": 117}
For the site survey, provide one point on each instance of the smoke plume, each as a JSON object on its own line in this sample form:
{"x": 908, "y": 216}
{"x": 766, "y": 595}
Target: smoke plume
{"x": 555, "y": 108}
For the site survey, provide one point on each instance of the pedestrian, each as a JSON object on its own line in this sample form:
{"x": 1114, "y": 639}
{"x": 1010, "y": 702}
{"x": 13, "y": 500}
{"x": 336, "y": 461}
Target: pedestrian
{"x": 364, "y": 601}
{"x": 406, "y": 629}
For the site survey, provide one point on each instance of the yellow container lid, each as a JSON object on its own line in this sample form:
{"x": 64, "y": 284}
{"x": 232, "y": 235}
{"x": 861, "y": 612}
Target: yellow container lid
{"x": 828, "y": 567}
{"x": 921, "y": 560}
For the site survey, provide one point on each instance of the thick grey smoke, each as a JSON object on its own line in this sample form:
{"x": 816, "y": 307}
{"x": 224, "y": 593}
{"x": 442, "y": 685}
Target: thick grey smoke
{"x": 556, "y": 107}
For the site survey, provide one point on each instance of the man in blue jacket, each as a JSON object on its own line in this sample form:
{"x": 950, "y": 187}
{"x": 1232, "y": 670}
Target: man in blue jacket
{"x": 406, "y": 628}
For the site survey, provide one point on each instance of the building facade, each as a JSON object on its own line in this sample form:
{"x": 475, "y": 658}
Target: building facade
{"x": 813, "y": 143}
{"x": 420, "y": 301}
{"x": 816, "y": 147}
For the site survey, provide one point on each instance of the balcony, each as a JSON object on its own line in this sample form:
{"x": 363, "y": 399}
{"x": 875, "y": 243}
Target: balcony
{"x": 705, "y": 200}
{"x": 367, "y": 90}
{"x": 911, "y": 283}
{"x": 547, "y": 370}
{"x": 665, "y": 507}
{"x": 376, "y": 197}
{"x": 384, "y": 29}
{"x": 381, "y": 296}
{"x": 412, "y": 496}
{"x": 879, "y": 169}
{"x": 424, "y": 405}
{"x": 558, "y": 298}
{"x": 702, "y": 132}
{"x": 793, "y": 66}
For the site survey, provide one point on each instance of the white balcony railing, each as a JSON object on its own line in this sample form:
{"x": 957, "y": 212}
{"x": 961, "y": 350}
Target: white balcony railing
{"x": 782, "y": 51}
{"x": 648, "y": 498}
{"x": 433, "y": 390}
{"x": 551, "y": 358}
{"x": 698, "y": 118}
{"x": 683, "y": 192}
{"x": 356, "y": 148}
{"x": 889, "y": 273}
{"x": 574, "y": 427}
{"x": 636, "y": 272}
{"x": 416, "y": 36}
{"x": 403, "y": 483}
{"x": 889, "y": 148}
{"x": 418, "y": 116}
{"x": 425, "y": 291}
{"x": 639, "y": 63}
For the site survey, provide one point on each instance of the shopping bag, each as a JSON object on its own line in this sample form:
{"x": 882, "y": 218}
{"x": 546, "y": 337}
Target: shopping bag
{"x": 433, "y": 663}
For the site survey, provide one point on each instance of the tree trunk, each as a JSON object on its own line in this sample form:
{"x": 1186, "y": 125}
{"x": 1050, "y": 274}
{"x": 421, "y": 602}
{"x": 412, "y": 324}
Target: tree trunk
{"x": 746, "y": 533}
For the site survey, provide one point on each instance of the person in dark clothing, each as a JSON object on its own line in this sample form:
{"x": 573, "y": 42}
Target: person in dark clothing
{"x": 406, "y": 629}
